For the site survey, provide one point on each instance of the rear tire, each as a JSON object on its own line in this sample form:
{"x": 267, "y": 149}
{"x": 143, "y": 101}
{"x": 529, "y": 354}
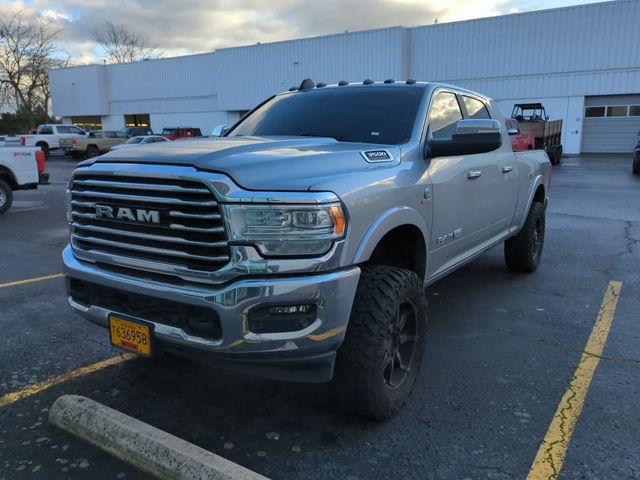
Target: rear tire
{"x": 636, "y": 165}
{"x": 6, "y": 196}
{"x": 522, "y": 253}
{"x": 380, "y": 359}
{"x": 92, "y": 151}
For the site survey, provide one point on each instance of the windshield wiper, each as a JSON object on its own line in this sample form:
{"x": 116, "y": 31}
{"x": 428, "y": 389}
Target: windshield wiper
{"x": 312, "y": 134}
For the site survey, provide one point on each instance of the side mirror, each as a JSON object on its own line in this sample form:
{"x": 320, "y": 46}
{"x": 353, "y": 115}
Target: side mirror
{"x": 219, "y": 130}
{"x": 471, "y": 136}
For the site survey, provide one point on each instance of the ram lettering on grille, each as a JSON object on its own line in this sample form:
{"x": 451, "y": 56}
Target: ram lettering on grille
{"x": 131, "y": 214}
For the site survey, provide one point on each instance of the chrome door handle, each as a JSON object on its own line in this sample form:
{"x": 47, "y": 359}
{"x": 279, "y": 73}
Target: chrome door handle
{"x": 471, "y": 174}
{"x": 507, "y": 168}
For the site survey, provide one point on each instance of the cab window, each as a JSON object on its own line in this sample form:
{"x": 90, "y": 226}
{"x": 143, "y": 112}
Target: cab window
{"x": 444, "y": 113}
{"x": 45, "y": 130}
{"x": 475, "y": 108}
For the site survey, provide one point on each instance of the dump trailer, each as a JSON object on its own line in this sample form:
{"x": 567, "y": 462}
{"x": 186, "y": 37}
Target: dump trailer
{"x": 533, "y": 119}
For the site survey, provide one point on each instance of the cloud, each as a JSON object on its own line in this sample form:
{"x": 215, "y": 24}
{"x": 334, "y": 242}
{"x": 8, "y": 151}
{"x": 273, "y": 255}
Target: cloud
{"x": 178, "y": 28}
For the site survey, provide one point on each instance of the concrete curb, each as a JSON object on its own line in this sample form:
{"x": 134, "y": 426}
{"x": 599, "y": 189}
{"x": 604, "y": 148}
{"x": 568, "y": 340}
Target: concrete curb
{"x": 143, "y": 446}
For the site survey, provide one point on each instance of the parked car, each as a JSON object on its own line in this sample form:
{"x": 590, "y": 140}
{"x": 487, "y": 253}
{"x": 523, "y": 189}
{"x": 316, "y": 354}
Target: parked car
{"x": 21, "y": 168}
{"x": 140, "y": 140}
{"x": 519, "y": 140}
{"x": 299, "y": 245}
{"x": 137, "y": 131}
{"x": 532, "y": 119}
{"x": 173, "y": 133}
{"x": 48, "y": 136}
{"x": 95, "y": 143}
{"x": 636, "y": 157}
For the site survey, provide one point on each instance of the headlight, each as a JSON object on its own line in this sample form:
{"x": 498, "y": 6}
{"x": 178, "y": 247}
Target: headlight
{"x": 286, "y": 230}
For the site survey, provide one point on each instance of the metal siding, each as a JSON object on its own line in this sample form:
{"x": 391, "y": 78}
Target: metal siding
{"x": 572, "y": 52}
{"x": 575, "y": 45}
{"x": 251, "y": 74}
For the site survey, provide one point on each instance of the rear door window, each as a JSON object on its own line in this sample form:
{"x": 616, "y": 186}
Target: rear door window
{"x": 475, "y": 108}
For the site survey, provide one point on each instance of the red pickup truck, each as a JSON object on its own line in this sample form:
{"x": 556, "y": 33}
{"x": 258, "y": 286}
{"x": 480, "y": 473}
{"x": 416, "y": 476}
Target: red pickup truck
{"x": 173, "y": 133}
{"x": 519, "y": 140}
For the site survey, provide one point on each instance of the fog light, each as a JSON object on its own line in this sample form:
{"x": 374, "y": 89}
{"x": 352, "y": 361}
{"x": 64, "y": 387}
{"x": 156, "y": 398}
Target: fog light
{"x": 282, "y": 318}
{"x": 290, "y": 309}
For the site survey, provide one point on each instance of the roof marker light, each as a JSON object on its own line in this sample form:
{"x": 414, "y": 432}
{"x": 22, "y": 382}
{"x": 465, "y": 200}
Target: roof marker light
{"x": 307, "y": 84}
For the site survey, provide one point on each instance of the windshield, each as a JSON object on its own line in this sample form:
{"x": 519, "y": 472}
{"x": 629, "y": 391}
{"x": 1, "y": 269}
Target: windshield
{"x": 382, "y": 115}
{"x": 168, "y": 131}
{"x": 135, "y": 140}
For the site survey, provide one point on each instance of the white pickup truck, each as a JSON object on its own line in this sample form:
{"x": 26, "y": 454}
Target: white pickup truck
{"x": 21, "y": 168}
{"x": 48, "y": 136}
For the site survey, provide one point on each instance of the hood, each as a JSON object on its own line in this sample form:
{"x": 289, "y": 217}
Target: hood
{"x": 261, "y": 163}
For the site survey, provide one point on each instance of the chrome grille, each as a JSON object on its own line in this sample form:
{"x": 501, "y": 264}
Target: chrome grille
{"x": 188, "y": 240}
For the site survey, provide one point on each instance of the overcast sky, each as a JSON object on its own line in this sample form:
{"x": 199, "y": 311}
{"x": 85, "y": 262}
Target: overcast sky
{"x": 192, "y": 26}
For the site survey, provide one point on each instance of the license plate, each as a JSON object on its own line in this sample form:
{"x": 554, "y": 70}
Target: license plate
{"x": 132, "y": 336}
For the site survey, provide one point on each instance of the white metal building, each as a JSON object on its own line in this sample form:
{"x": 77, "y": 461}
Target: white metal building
{"x": 582, "y": 63}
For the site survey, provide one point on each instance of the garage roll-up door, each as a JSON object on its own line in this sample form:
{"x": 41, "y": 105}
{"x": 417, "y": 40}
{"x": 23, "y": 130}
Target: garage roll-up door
{"x": 611, "y": 124}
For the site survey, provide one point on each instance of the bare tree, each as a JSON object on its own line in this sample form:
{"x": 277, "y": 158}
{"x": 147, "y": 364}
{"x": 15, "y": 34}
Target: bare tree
{"x": 121, "y": 44}
{"x": 27, "y": 48}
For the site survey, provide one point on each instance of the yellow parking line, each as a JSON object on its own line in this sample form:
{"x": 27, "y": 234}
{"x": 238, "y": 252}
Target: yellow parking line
{"x": 39, "y": 387}
{"x": 552, "y": 451}
{"x": 30, "y": 280}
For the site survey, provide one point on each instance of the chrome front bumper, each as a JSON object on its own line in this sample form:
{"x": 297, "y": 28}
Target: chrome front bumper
{"x": 332, "y": 292}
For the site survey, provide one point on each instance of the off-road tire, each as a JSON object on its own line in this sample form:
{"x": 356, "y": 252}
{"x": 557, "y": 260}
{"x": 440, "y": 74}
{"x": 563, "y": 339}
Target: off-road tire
{"x": 522, "y": 252}
{"x": 384, "y": 295}
{"x": 6, "y": 196}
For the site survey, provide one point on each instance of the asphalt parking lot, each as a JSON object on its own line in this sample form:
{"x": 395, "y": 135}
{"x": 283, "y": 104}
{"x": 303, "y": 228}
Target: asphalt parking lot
{"x": 501, "y": 351}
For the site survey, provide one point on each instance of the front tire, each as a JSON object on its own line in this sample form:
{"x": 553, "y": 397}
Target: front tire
{"x": 380, "y": 359}
{"x": 522, "y": 253}
{"x": 636, "y": 165}
{"x": 6, "y": 196}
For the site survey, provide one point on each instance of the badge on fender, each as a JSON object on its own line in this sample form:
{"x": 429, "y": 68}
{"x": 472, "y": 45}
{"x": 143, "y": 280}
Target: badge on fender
{"x": 374, "y": 156}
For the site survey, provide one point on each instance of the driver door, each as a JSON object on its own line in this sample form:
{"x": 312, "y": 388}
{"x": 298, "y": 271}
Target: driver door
{"x": 459, "y": 190}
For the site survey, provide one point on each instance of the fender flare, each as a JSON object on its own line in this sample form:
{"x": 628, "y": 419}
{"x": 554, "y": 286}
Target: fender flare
{"x": 538, "y": 180}
{"x": 392, "y": 218}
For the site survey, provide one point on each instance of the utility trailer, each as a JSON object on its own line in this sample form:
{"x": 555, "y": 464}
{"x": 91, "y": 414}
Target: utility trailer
{"x": 533, "y": 119}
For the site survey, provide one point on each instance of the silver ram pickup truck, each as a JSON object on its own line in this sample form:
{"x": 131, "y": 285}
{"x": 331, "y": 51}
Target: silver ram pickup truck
{"x": 299, "y": 245}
